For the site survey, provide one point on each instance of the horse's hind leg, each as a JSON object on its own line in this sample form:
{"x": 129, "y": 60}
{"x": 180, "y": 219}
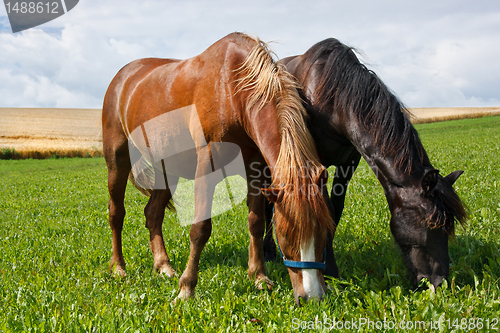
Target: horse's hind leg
{"x": 155, "y": 212}
{"x": 118, "y": 162}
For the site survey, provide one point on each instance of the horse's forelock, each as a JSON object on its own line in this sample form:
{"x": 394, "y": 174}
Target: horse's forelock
{"x": 447, "y": 208}
{"x": 299, "y": 167}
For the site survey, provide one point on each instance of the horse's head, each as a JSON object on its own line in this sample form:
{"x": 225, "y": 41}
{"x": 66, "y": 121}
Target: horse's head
{"x": 301, "y": 236}
{"x": 423, "y": 218}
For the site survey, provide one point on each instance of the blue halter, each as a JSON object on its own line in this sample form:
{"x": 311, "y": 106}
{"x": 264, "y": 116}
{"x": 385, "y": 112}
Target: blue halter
{"x": 299, "y": 264}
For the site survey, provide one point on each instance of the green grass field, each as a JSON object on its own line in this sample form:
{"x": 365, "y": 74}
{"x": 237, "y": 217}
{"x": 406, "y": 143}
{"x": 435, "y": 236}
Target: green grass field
{"x": 56, "y": 244}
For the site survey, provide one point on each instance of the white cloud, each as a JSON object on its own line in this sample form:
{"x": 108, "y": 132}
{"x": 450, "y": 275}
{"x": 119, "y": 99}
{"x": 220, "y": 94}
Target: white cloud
{"x": 430, "y": 53}
{"x": 39, "y": 91}
{"x": 450, "y": 61}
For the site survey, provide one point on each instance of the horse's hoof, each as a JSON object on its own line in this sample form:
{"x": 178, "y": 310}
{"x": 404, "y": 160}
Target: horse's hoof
{"x": 264, "y": 283}
{"x": 183, "y": 295}
{"x": 117, "y": 271}
{"x": 119, "y": 274}
{"x": 168, "y": 272}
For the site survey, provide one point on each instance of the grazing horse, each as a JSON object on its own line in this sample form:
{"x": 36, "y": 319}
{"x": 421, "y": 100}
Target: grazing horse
{"x": 353, "y": 114}
{"x": 234, "y": 92}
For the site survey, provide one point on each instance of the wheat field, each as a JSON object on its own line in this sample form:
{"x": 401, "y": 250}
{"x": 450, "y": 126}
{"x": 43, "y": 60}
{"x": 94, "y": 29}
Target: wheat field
{"x": 47, "y": 132}
{"x": 431, "y": 115}
{"x": 44, "y": 132}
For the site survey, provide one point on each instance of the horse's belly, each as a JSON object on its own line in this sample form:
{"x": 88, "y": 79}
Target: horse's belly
{"x": 182, "y": 164}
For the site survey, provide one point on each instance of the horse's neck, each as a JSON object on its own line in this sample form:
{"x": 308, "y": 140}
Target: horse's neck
{"x": 333, "y": 147}
{"x": 342, "y": 128}
{"x": 258, "y": 125}
{"x": 391, "y": 175}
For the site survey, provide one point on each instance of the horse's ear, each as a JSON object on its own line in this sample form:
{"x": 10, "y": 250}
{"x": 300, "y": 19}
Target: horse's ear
{"x": 271, "y": 193}
{"x": 322, "y": 179}
{"x": 429, "y": 181}
{"x": 452, "y": 177}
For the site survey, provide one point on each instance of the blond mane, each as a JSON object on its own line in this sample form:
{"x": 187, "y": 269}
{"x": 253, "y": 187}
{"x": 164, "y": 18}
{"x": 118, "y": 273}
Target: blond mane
{"x": 297, "y": 168}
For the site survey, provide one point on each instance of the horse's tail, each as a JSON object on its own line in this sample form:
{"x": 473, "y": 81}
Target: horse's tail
{"x": 146, "y": 191}
{"x": 145, "y": 173}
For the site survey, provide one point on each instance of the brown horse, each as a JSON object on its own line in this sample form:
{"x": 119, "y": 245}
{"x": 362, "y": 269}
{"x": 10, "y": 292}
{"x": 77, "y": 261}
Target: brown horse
{"x": 237, "y": 94}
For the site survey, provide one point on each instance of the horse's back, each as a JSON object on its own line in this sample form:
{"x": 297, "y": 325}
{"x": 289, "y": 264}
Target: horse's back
{"x": 176, "y": 81}
{"x": 149, "y": 88}
{"x": 127, "y": 79}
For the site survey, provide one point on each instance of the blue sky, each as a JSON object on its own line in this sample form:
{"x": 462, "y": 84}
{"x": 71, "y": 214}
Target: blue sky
{"x": 430, "y": 53}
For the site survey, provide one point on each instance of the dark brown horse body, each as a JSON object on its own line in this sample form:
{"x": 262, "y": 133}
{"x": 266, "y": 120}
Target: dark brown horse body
{"x": 241, "y": 96}
{"x": 353, "y": 114}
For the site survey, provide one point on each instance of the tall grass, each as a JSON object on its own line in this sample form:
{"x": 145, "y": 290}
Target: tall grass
{"x": 43, "y": 153}
{"x": 9, "y": 154}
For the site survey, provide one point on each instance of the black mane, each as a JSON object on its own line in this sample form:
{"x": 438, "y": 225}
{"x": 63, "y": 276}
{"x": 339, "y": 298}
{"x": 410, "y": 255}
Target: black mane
{"x": 346, "y": 84}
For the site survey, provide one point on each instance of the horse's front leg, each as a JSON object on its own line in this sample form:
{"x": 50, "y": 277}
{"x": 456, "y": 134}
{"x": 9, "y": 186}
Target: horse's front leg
{"x": 256, "y": 227}
{"x": 343, "y": 175}
{"x": 331, "y": 268}
{"x": 201, "y": 229}
{"x": 198, "y": 236}
{"x": 269, "y": 243}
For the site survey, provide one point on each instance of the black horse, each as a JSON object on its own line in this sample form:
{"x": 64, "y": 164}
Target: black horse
{"x": 353, "y": 114}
